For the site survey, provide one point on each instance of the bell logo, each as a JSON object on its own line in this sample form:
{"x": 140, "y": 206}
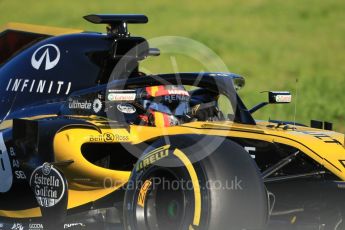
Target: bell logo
{"x": 48, "y": 51}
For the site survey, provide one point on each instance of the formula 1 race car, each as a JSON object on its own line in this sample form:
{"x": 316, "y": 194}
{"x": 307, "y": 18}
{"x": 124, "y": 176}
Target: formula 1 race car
{"x": 89, "y": 141}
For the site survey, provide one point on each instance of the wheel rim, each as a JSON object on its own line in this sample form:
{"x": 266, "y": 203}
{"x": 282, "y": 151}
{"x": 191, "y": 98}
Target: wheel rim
{"x": 165, "y": 204}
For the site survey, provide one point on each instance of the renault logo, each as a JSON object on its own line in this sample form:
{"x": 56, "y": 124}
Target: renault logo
{"x": 50, "y": 53}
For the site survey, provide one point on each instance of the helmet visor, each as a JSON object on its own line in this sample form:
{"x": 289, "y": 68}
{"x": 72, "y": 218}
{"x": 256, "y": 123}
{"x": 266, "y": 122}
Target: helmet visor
{"x": 176, "y": 109}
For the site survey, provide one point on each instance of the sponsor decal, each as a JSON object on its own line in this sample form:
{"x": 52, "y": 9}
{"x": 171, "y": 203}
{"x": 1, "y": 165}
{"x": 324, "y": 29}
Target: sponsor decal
{"x": 126, "y": 108}
{"x": 48, "y": 185}
{"x": 143, "y": 192}
{"x": 251, "y": 151}
{"x": 121, "y": 96}
{"x": 108, "y": 137}
{"x": 48, "y": 55}
{"x": 172, "y": 98}
{"x": 121, "y": 90}
{"x": 219, "y": 75}
{"x": 178, "y": 92}
{"x": 17, "y": 226}
{"x": 20, "y": 175}
{"x": 34, "y": 226}
{"x": 97, "y": 105}
{"x": 162, "y": 90}
{"x": 15, "y": 163}
{"x": 283, "y": 98}
{"x": 75, "y": 104}
{"x": 6, "y": 175}
{"x": 323, "y": 137}
{"x": 23, "y": 85}
{"x": 153, "y": 157}
{"x": 73, "y": 225}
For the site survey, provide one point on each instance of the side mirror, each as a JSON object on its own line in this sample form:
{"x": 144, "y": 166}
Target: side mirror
{"x": 274, "y": 97}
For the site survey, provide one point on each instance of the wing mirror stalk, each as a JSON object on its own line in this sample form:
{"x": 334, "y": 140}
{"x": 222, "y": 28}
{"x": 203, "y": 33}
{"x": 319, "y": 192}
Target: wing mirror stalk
{"x": 274, "y": 97}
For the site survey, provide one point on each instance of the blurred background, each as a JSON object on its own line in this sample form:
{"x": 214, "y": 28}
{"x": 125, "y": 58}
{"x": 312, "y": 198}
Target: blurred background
{"x": 270, "y": 42}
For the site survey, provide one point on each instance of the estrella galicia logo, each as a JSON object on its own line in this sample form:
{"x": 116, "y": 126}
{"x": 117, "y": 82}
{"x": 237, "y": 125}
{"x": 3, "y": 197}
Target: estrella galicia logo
{"x": 46, "y": 169}
{"x": 50, "y": 53}
{"x": 48, "y": 185}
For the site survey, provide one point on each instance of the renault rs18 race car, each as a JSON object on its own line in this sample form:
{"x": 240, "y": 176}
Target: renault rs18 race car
{"x": 89, "y": 141}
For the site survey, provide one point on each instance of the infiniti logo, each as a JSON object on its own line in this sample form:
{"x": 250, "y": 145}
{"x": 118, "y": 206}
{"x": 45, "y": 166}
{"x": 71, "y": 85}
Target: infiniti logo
{"x": 49, "y": 49}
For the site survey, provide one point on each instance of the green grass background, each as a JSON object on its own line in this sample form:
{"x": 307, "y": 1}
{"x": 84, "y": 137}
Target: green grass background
{"x": 270, "y": 42}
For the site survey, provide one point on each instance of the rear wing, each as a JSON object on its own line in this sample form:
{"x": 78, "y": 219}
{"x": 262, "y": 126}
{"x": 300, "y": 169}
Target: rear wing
{"x": 14, "y": 37}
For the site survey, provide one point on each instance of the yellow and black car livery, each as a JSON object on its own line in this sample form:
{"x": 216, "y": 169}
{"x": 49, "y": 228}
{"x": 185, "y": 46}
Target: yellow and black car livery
{"x": 82, "y": 146}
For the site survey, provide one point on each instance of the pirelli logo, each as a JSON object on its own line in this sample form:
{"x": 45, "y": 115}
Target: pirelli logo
{"x": 153, "y": 157}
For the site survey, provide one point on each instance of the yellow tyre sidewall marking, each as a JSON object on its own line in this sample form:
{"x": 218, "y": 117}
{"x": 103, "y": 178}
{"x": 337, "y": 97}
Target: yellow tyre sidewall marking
{"x": 195, "y": 181}
{"x": 143, "y": 192}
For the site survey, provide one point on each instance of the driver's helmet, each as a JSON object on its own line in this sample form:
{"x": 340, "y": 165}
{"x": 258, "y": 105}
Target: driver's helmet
{"x": 165, "y": 105}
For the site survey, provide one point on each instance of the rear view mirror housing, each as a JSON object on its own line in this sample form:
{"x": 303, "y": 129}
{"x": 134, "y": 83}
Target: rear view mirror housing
{"x": 274, "y": 97}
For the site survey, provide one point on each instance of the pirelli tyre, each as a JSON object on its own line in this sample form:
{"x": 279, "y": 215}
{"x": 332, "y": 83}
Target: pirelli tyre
{"x": 171, "y": 188}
